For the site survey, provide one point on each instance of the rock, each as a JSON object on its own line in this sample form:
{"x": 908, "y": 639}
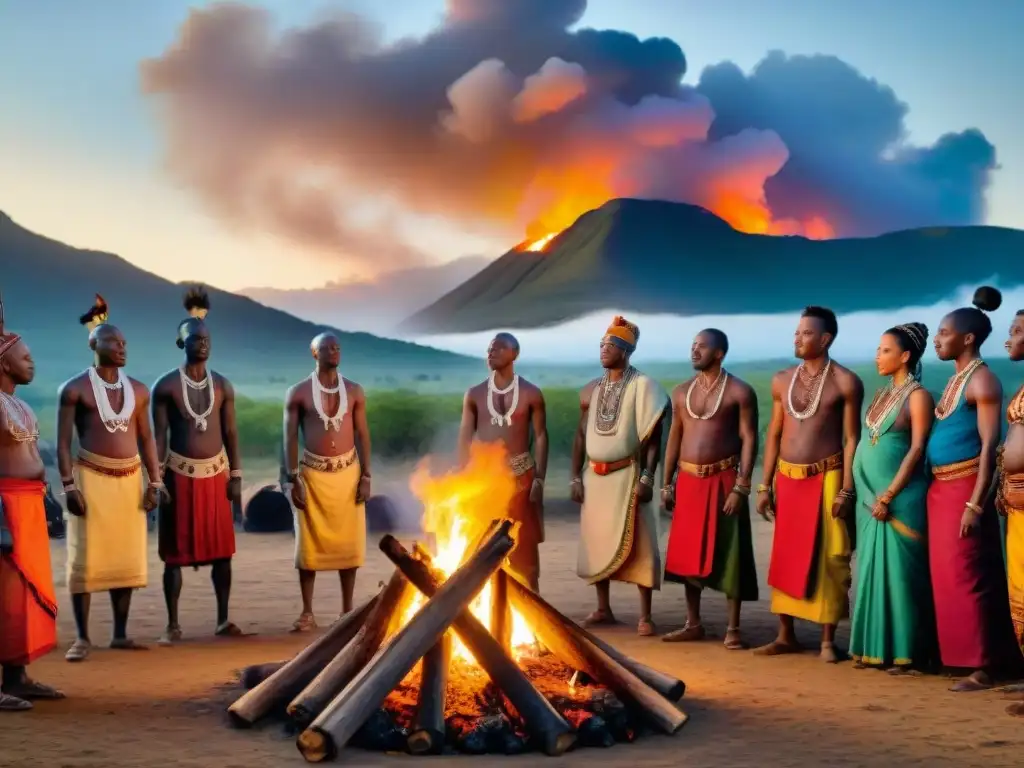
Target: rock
{"x": 268, "y": 511}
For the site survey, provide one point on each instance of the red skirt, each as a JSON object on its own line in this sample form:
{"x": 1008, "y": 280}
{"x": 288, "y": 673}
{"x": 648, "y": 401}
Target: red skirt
{"x": 197, "y": 525}
{"x": 28, "y": 601}
{"x": 525, "y": 557}
{"x": 795, "y": 543}
{"x": 691, "y": 539}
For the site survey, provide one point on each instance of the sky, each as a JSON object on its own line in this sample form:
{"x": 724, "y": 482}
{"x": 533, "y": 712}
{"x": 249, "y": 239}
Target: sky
{"x": 84, "y": 153}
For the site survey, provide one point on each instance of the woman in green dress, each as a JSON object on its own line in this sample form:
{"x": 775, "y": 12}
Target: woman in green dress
{"x": 893, "y": 626}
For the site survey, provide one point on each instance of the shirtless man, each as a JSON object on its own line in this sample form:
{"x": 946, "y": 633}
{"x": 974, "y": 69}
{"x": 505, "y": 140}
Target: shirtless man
{"x": 195, "y": 407}
{"x": 106, "y": 537}
{"x": 28, "y": 601}
{"x": 330, "y": 489}
{"x": 506, "y": 409}
{"x": 809, "y": 488}
{"x": 712, "y": 446}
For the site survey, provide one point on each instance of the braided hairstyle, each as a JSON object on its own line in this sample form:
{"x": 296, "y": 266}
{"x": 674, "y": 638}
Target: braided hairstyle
{"x": 975, "y": 319}
{"x": 912, "y": 338}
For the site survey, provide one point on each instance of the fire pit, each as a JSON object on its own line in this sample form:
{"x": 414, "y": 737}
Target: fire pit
{"x": 459, "y": 657}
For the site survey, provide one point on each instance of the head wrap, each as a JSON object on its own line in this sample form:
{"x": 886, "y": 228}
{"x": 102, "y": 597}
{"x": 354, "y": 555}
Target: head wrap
{"x": 97, "y": 314}
{"x": 7, "y": 340}
{"x": 623, "y": 334}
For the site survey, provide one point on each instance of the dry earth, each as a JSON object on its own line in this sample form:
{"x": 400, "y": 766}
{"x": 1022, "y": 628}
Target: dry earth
{"x": 165, "y": 707}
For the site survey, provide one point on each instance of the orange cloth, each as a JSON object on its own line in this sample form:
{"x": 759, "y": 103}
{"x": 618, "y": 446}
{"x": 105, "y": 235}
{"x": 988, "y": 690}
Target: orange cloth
{"x": 28, "y": 600}
{"x": 624, "y": 330}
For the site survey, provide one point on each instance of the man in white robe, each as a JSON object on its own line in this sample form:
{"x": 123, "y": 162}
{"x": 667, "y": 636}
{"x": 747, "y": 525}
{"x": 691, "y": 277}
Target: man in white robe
{"x": 614, "y": 458}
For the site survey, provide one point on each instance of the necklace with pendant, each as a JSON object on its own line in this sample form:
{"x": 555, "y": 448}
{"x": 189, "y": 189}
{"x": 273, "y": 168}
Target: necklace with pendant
{"x": 187, "y": 383}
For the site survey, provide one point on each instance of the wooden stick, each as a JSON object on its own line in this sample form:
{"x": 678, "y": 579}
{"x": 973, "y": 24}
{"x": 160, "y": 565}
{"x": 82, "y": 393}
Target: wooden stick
{"x": 545, "y": 726}
{"x": 428, "y": 728}
{"x": 672, "y": 688}
{"x": 255, "y": 674}
{"x": 501, "y": 616}
{"x": 556, "y": 633}
{"x": 367, "y": 691}
{"x": 342, "y": 668}
{"x": 278, "y": 689}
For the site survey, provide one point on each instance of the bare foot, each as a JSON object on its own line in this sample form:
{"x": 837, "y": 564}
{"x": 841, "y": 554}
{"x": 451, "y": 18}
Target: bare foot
{"x": 127, "y": 644}
{"x": 828, "y": 653}
{"x": 688, "y": 634}
{"x": 645, "y": 627}
{"x": 778, "y": 648}
{"x": 170, "y": 636}
{"x": 600, "y": 618}
{"x": 977, "y": 681}
{"x": 228, "y": 629}
{"x": 305, "y": 623}
{"x": 733, "y": 641}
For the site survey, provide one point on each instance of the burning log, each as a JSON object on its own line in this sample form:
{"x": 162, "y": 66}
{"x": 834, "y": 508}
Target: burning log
{"x": 343, "y": 667}
{"x": 428, "y": 730}
{"x": 545, "y": 726}
{"x": 290, "y": 679}
{"x": 562, "y": 638}
{"x": 367, "y": 691}
{"x": 501, "y": 616}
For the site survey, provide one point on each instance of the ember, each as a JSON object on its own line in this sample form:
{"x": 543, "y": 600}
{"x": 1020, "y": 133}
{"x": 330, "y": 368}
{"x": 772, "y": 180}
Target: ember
{"x": 454, "y": 654}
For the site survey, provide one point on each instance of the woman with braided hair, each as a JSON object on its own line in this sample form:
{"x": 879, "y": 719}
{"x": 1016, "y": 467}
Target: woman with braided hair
{"x": 893, "y": 625}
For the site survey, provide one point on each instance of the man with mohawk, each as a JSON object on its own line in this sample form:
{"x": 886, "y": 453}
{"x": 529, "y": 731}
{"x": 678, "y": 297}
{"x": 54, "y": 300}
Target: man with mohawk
{"x": 28, "y": 602}
{"x": 330, "y": 489}
{"x": 614, "y": 458}
{"x": 106, "y": 535}
{"x": 197, "y": 444}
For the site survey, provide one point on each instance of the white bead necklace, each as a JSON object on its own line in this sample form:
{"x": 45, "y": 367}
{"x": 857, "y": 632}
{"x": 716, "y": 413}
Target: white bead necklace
{"x": 319, "y": 390}
{"x": 188, "y": 383}
{"x": 816, "y": 400}
{"x": 502, "y": 419}
{"x": 723, "y": 377}
{"x": 113, "y": 421}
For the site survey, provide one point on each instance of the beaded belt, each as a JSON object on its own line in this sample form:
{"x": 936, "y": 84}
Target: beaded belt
{"x": 707, "y": 470}
{"x": 804, "y": 471}
{"x": 607, "y": 467}
{"x": 957, "y": 470}
{"x": 105, "y": 465}
{"x": 182, "y": 465}
{"x": 521, "y": 464}
{"x": 329, "y": 463}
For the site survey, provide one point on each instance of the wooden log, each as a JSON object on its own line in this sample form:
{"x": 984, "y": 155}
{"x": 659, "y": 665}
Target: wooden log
{"x": 428, "y": 729}
{"x": 556, "y": 633}
{"x": 501, "y": 616}
{"x": 543, "y": 724}
{"x": 672, "y": 688}
{"x": 255, "y": 674}
{"x": 304, "y": 708}
{"x": 282, "y": 686}
{"x": 339, "y": 721}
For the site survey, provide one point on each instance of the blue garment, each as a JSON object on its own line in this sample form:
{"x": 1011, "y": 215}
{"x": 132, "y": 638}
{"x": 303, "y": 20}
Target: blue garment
{"x": 955, "y": 438}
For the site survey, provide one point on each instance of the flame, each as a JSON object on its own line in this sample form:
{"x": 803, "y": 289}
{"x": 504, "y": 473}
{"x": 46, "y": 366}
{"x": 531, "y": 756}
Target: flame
{"x": 539, "y": 245}
{"x": 755, "y": 218}
{"x": 457, "y": 508}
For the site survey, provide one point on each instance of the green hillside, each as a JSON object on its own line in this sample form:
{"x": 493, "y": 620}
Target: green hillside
{"x": 653, "y": 257}
{"x": 47, "y": 285}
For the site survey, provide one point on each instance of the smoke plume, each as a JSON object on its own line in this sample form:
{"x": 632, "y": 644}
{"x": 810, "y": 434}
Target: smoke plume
{"x": 504, "y": 120}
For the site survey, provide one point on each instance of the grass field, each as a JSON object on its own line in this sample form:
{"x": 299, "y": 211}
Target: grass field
{"x": 416, "y": 420}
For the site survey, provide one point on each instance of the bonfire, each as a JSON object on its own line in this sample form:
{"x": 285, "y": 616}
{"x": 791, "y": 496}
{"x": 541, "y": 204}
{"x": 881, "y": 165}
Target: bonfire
{"x": 454, "y": 654}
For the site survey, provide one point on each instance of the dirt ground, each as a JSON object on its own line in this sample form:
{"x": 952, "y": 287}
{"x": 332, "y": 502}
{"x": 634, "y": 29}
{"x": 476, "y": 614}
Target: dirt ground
{"x": 165, "y": 707}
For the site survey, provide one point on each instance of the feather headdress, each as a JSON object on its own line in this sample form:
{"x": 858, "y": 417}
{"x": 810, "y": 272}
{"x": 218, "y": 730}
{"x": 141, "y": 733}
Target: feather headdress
{"x": 97, "y": 314}
{"x": 197, "y": 302}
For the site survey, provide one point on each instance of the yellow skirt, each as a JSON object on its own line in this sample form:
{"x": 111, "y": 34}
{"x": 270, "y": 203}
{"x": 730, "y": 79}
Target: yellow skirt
{"x": 330, "y": 534}
{"x": 1015, "y": 569}
{"x": 106, "y": 549}
{"x": 830, "y": 602}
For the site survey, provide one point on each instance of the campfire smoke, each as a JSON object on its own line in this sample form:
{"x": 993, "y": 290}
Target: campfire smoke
{"x": 508, "y": 119}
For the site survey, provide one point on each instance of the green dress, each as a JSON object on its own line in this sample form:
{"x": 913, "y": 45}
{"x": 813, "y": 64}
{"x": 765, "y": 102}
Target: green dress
{"x": 893, "y": 623}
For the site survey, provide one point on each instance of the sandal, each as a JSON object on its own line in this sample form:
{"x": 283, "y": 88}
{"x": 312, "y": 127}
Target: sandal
{"x": 228, "y": 629}
{"x": 305, "y": 623}
{"x": 777, "y": 648}
{"x": 10, "y": 703}
{"x": 126, "y": 644}
{"x": 79, "y": 651}
{"x": 688, "y": 634}
{"x": 30, "y": 690}
{"x": 733, "y": 641}
{"x": 645, "y": 627}
{"x": 170, "y": 636}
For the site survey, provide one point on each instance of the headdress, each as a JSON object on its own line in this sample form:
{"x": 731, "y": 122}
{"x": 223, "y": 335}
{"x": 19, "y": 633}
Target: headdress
{"x": 97, "y": 314}
{"x": 623, "y": 333}
{"x": 7, "y": 340}
{"x": 197, "y": 302}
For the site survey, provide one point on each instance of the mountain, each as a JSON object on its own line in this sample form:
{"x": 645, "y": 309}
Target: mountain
{"x": 655, "y": 257}
{"x": 47, "y": 285}
{"x": 376, "y": 306}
